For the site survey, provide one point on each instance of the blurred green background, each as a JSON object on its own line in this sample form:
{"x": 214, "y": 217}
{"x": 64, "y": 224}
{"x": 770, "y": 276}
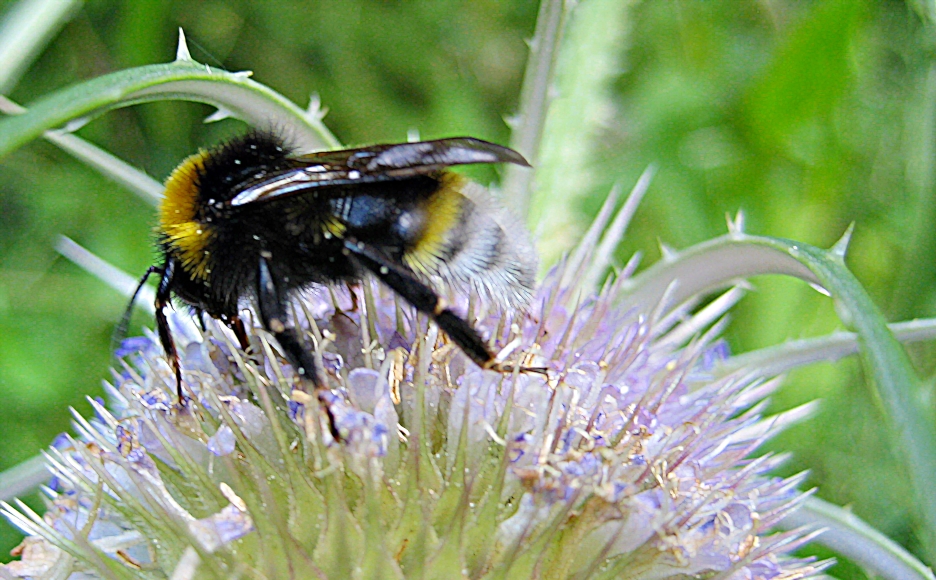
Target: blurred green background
{"x": 808, "y": 115}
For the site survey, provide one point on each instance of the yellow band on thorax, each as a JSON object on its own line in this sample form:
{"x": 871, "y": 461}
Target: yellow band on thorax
{"x": 177, "y": 224}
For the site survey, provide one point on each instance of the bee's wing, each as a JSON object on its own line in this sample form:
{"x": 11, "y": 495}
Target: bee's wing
{"x": 406, "y": 159}
{"x": 374, "y": 164}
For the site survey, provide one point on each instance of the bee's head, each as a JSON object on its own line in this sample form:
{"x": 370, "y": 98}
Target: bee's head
{"x": 198, "y": 188}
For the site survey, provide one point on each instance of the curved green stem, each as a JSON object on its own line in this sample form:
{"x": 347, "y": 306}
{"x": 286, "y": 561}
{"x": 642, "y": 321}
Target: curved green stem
{"x": 793, "y": 354}
{"x": 848, "y": 535}
{"x": 718, "y": 262}
{"x": 233, "y": 93}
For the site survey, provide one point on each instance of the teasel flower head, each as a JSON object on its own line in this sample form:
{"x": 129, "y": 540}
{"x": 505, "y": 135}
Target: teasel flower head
{"x": 631, "y": 459}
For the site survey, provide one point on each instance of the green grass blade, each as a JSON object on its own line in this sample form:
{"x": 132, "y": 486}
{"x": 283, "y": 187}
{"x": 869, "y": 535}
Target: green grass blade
{"x": 25, "y": 30}
{"x": 23, "y": 478}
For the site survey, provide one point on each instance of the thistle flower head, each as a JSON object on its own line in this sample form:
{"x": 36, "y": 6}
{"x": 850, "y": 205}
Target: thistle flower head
{"x": 630, "y": 460}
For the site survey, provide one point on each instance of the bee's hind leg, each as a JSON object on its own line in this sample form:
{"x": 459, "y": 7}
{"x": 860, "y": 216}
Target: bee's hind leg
{"x": 272, "y": 305}
{"x": 402, "y": 281}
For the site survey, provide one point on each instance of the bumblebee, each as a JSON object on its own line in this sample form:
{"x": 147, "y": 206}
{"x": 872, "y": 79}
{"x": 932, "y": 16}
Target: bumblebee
{"x": 252, "y": 220}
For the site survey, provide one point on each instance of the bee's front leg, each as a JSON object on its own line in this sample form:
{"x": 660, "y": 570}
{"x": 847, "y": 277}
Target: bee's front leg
{"x": 163, "y": 297}
{"x": 272, "y": 305}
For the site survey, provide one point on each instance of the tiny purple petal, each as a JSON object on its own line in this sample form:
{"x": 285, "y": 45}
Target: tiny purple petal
{"x": 222, "y": 528}
{"x": 222, "y": 442}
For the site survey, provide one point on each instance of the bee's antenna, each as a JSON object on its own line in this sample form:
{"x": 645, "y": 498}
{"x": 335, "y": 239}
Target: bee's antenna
{"x": 120, "y": 332}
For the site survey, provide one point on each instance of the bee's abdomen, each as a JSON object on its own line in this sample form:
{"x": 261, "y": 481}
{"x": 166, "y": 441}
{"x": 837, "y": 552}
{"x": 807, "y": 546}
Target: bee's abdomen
{"x": 464, "y": 242}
